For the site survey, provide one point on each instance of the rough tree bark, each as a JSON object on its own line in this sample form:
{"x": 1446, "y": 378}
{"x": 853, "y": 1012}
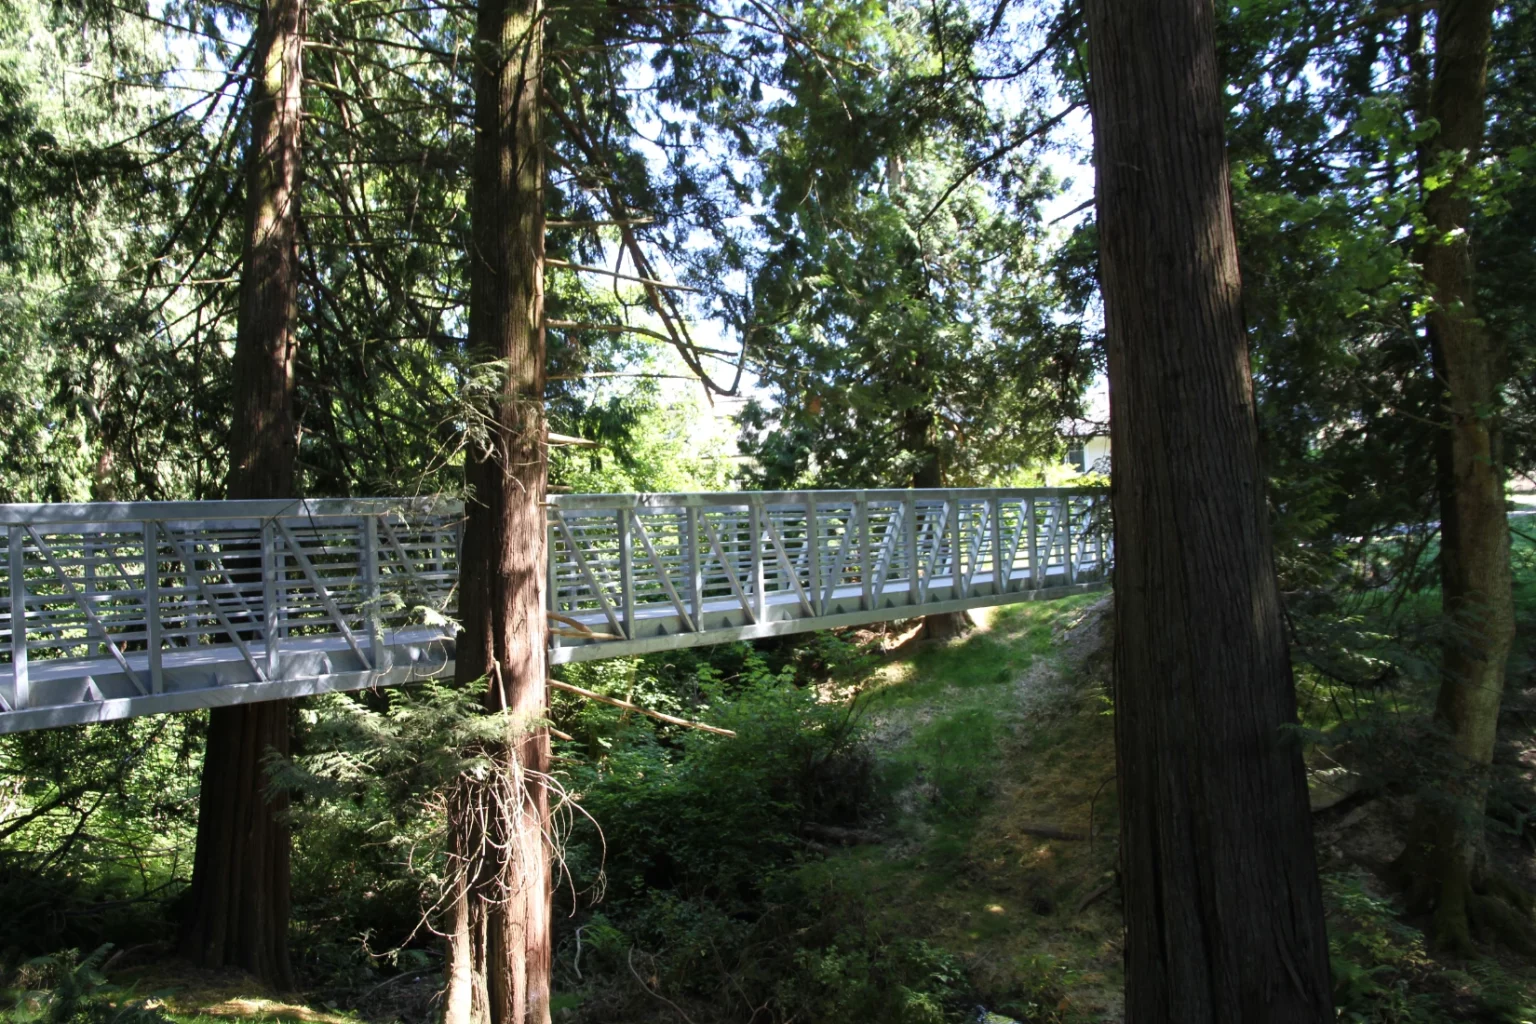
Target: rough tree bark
{"x": 499, "y": 913}
{"x": 1474, "y": 555}
{"x": 238, "y": 901}
{"x": 1223, "y": 911}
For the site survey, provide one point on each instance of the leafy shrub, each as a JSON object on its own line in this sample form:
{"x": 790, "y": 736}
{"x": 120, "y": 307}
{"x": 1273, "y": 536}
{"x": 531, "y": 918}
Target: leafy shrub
{"x": 1382, "y": 973}
{"x": 1044, "y": 981}
{"x": 701, "y": 841}
{"x": 64, "y": 989}
{"x": 905, "y": 981}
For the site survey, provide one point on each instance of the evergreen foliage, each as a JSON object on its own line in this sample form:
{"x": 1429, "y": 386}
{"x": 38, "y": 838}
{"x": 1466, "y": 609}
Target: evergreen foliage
{"x": 855, "y": 190}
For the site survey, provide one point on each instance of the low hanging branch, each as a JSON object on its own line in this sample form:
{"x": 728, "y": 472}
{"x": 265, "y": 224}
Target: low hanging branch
{"x": 575, "y": 325}
{"x": 632, "y": 223}
{"x": 627, "y": 706}
{"x": 662, "y": 299}
{"x": 648, "y": 282}
{"x": 992, "y": 157}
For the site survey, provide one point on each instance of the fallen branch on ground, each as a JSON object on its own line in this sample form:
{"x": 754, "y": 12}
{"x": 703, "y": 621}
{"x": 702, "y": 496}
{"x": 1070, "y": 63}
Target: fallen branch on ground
{"x": 1088, "y": 900}
{"x": 840, "y": 836}
{"x": 1047, "y": 832}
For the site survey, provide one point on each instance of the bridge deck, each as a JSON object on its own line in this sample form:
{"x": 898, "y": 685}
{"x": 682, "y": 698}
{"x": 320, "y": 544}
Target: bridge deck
{"x": 135, "y": 609}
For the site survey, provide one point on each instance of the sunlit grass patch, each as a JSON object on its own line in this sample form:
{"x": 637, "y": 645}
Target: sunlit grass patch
{"x": 982, "y": 743}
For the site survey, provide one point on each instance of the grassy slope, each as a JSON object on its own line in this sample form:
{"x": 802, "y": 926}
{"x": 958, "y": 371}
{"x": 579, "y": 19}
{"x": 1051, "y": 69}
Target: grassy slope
{"x": 985, "y": 743}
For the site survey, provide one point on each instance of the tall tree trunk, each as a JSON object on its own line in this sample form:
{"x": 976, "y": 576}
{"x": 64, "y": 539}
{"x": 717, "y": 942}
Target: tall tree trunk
{"x": 238, "y": 905}
{"x": 499, "y": 914}
{"x": 1474, "y": 552}
{"x": 1223, "y": 911}
{"x": 917, "y": 430}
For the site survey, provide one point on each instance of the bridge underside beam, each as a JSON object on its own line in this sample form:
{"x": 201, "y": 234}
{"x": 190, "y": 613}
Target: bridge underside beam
{"x": 79, "y": 693}
{"x": 726, "y": 625}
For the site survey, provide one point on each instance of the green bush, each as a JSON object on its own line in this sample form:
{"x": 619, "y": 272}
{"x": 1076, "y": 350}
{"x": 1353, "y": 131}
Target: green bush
{"x": 64, "y": 989}
{"x": 702, "y": 842}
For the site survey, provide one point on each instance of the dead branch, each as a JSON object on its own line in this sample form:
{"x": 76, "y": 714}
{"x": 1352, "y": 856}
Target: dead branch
{"x": 583, "y": 634}
{"x": 627, "y": 706}
{"x": 841, "y": 836}
{"x": 578, "y": 628}
{"x": 1088, "y": 900}
{"x": 1049, "y": 832}
{"x": 1001, "y": 151}
{"x": 651, "y": 991}
{"x": 637, "y": 223}
{"x": 648, "y": 282}
{"x": 578, "y": 325}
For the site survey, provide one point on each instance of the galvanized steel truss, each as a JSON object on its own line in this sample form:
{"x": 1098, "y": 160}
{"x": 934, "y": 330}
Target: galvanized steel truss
{"x": 141, "y": 608}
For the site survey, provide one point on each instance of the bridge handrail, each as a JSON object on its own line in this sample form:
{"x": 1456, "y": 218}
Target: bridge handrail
{"x": 105, "y": 512}
{"x": 715, "y": 499}
{"x": 81, "y": 513}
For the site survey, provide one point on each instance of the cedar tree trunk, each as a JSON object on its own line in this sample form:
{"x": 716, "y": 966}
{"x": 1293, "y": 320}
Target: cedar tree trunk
{"x": 1223, "y": 911}
{"x": 1474, "y": 553}
{"x": 238, "y": 903}
{"x": 499, "y": 904}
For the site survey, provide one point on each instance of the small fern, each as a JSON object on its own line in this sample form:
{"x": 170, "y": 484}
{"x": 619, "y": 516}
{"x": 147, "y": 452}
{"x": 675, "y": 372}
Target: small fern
{"x": 62, "y": 988}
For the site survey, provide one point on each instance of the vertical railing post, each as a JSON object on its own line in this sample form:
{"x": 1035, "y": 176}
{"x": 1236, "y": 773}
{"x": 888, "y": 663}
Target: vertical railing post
{"x": 1105, "y": 525}
{"x": 1032, "y": 537}
{"x": 1068, "y": 554}
{"x": 152, "y": 639}
{"x": 757, "y": 532}
{"x": 909, "y": 528}
{"x": 551, "y": 572}
{"x": 694, "y": 564}
{"x": 1001, "y": 574}
{"x": 88, "y": 564}
{"x": 626, "y": 572}
{"x": 372, "y": 595}
{"x": 866, "y": 557}
{"x": 21, "y": 688}
{"x": 957, "y": 550}
{"x": 813, "y": 552}
{"x": 1098, "y": 534}
{"x": 271, "y": 595}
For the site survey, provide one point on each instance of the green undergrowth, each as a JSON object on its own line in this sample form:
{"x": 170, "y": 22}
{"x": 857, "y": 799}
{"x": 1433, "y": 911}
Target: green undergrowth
{"x": 1383, "y": 972}
{"x": 868, "y": 847}
{"x": 895, "y": 838}
{"x": 876, "y": 846}
{"x": 1367, "y": 681}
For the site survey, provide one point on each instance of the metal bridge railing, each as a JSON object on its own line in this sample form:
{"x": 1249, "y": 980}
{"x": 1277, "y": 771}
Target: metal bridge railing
{"x": 641, "y": 573}
{"x": 114, "y": 610}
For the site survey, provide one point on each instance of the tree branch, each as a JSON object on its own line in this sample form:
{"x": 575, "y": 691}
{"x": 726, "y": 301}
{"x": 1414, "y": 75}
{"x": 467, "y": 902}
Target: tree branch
{"x": 627, "y": 706}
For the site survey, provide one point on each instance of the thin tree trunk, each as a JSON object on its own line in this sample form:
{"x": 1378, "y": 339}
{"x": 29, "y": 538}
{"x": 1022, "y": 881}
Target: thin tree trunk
{"x": 1223, "y": 911}
{"x": 929, "y": 473}
{"x": 1474, "y": 554}
{"x": 499, "y": 940}
{"x": 238, "y": 904}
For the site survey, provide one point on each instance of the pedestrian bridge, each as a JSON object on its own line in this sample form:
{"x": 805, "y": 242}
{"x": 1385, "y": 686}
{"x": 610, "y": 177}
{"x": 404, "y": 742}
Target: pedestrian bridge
{"x": 115, "y": 610}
